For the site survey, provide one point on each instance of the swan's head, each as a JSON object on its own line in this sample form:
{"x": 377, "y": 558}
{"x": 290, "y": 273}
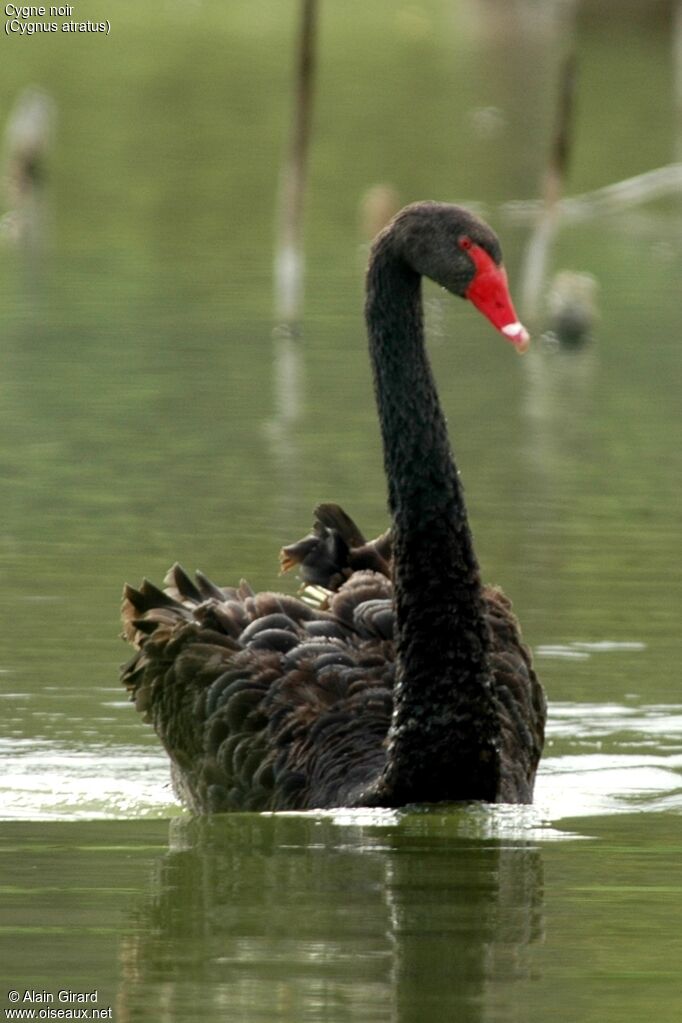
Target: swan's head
{"x": 461, "y": 253}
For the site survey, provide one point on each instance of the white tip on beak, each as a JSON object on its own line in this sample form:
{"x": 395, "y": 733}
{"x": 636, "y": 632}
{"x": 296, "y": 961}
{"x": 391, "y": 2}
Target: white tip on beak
{"x": 518, "y": 335}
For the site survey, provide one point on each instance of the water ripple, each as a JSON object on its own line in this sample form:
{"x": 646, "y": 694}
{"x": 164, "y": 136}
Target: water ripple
{"x": 600, "y": 759}
{"x": 43, "y": 780}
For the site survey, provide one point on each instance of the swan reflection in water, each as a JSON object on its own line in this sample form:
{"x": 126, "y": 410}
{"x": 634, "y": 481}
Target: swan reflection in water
{"x": 400, "y": 916}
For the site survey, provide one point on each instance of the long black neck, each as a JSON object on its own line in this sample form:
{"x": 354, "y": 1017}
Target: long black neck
{"x": 443, "y": 739}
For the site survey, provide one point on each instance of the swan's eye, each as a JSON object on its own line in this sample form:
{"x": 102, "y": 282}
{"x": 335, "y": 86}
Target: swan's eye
{"x": 465, "y": 242}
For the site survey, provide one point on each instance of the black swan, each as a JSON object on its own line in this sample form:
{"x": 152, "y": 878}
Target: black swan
{"x": 409, "y": 682}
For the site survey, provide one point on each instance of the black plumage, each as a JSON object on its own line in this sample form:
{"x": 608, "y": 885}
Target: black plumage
{"x": 408, "y": 681}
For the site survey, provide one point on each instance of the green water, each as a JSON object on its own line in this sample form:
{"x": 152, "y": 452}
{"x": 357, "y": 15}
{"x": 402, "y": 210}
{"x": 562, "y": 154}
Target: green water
{"x": 148, "y": 413}
{"x": 425, "y": 916}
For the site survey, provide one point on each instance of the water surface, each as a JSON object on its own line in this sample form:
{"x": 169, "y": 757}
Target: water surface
{"x": 148, "y": 413}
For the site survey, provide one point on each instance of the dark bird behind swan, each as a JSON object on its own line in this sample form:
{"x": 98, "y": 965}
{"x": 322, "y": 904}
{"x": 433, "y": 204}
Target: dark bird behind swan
{"x": 409, "y": 682}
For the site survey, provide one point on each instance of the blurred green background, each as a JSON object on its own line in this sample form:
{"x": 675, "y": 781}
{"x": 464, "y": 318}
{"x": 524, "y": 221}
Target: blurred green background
{"x": 151, "y": 411}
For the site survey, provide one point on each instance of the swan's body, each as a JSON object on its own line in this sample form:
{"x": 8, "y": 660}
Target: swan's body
{"x": 411, "y": 684}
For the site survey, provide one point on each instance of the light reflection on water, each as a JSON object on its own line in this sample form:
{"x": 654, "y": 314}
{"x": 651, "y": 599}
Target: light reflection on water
{"x": 582, "y": 651}
{"x": 43, "y": 780}
{"x": 600, "y": 759}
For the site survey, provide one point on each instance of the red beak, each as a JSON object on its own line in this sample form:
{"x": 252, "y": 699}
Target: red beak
{"x": 489, "y": 292}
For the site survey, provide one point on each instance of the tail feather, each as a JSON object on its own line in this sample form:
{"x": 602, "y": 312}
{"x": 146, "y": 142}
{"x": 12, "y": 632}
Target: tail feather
{"x": 334, "y": 517}
{"x": 179, "y": 582}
